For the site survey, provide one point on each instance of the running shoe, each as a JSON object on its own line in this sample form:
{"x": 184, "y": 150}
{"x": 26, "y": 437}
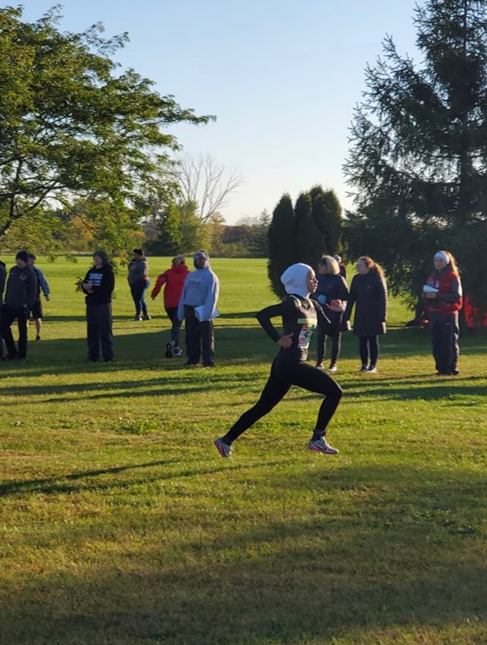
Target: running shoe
{"x": 321, "y": 445}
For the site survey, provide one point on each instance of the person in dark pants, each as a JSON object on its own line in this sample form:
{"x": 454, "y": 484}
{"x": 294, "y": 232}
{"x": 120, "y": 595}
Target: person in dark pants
{"x": 300, "y": 316}
{"x": 138, "y": 278}
{"x": 20, "y": 295}
{"x": 42, "y": 285}
{"x": 197, "y": 307}
{"x": 368, "y": 293}
{"x": 3, "y": 279}
{"x": 173, "y": 281}
{"x": 332, "y": 293}
{"x": 98, "y": 285}
{"x": 442, "y": 296}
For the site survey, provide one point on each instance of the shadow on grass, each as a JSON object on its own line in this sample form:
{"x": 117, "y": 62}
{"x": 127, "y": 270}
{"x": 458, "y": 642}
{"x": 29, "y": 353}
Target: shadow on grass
{"x": 405, "y": 555}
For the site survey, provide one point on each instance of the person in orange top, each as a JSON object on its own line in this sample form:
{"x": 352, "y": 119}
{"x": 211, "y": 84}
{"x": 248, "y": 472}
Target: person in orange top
{"x": 172, "y": 280}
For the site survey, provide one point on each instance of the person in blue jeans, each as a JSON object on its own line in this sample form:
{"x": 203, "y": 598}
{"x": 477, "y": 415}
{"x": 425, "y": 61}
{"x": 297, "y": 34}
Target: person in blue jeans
{"x": 138, "y": 279}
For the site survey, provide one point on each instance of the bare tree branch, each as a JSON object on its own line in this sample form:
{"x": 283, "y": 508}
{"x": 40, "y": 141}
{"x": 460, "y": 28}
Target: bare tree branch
{"x": 206, "y": 183}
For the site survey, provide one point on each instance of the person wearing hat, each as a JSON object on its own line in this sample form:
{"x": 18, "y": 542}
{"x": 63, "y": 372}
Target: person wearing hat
{"x": 173, "y": 281}
{"x": 138, "y": 279}
{"x": 332, "y": 294}
{"x": 442, "y": 295}
{"x": 20, "y": 295}
{"x": 300, "y": 317}
{"x": 197, "y": 307}
{"x": 98, "y": 286}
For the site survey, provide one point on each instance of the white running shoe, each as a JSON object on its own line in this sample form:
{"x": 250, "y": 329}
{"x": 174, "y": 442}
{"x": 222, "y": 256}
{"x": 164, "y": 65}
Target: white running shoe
{"x": 223, "y": 448}
{"x": 320, "y": 445}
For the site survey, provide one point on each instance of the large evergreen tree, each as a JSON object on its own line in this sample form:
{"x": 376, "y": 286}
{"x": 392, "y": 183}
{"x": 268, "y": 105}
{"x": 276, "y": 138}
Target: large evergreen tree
{"x": 308, "y": 239}
{"x": 303, "y": 233}
{"x": 327, "y": 215}
{"x": 418, "y": 157}
{"x": 281, "y": 243}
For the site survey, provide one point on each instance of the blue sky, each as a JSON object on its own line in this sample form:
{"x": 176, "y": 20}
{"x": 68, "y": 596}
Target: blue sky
{"x": 281, "y": 76}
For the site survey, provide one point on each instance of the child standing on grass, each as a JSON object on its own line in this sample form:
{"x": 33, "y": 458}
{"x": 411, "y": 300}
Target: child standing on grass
{"x": 300, "y": 316}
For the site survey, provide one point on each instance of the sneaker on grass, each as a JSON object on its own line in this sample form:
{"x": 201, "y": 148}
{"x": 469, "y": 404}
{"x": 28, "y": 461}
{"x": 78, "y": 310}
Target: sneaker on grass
{"x": 321, "y": 445}
{"x": 223, "y": 448}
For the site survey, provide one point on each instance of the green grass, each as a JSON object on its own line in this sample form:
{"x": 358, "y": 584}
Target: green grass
{"x": 121, "y": 525}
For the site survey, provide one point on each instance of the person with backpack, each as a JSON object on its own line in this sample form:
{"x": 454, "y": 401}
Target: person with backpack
{"x": 300, "y": 317}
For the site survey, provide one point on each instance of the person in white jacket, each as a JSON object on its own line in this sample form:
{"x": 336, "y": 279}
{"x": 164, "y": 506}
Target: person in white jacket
{"x": 197, "y": 307}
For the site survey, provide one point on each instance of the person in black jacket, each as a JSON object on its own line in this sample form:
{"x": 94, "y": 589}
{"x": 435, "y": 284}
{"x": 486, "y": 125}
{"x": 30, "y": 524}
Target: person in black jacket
{"x": 300, "y": 316}
{"x": 332, "y": 293}
{"x": 368, "y": 293}
{"x": 20, "y": 295}
{"x": 98, "y": 285}
{"x": 3, "y": 279}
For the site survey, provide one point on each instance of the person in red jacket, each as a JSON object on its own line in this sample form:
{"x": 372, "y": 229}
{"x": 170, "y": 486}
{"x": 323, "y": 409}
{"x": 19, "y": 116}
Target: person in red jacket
{"x": 442, "y": 295}
{"x": 173, "y": 279}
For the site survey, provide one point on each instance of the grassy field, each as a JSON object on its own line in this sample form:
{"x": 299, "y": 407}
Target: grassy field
{"x": 121, "y": 525}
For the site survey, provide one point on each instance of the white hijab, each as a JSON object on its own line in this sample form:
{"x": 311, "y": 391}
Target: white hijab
{"x": 295, "y": 279}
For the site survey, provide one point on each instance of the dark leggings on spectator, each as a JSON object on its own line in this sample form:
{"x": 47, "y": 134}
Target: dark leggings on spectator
{"x": 369, "y": 348}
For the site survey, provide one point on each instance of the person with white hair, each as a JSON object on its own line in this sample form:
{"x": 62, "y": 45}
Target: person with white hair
{"x": 300, "y": 317}
{"x": 442, "y": 295}
{"x": 197, "y": 307}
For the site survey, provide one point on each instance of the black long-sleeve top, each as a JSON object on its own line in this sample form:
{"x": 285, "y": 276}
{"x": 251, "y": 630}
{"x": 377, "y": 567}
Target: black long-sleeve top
{"x": 300, "y": 317}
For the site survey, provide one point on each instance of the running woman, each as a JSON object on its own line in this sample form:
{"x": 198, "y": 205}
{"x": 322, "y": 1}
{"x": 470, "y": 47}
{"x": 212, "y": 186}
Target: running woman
{"x": 300, "y": 316}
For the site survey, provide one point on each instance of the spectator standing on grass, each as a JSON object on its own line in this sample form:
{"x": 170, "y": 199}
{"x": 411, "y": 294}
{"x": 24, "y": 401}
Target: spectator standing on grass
{"x": 442, "y": 295}
{"x": 3, "y": 279}
{"x": 300, "y": 316}
{"x": 138, "y": 279}
{"x": 197, "y": 307}
{"x": 20, "y": 296}
{"x": 332, "y": 293}
{"x": 368, "y": 294}
{"x": 42, "y": 285}
{"x": 173, "y": 281}
{"x": 98, "y": 285}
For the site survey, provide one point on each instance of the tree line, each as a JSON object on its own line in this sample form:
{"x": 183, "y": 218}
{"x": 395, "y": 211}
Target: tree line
{"x": 85, "y": 155}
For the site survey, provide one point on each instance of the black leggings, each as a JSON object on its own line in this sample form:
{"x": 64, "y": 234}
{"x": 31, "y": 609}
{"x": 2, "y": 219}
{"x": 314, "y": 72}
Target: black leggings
{"x": 280, "y": 380}
{"x": 369, "y": 348}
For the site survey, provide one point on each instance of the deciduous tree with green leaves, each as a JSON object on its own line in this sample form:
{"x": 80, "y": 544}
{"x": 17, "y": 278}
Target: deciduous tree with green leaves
{"x": 418, "y": 156}
{"x": 73, "y": 126}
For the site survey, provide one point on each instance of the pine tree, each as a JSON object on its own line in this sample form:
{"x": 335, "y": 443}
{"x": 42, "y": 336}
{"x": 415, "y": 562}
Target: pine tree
{"x": 308, "y": 239}
{"x": 418, "y": 160}
{"x": 327, "y": 215}
{"x": 282, "y": 251}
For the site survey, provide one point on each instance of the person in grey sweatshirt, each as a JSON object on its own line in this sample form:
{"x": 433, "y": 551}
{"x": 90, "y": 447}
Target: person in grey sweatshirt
{"x": 138, "y": 279}
{"x": 197, "y": 307}
{"x": 20, "y": 295}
